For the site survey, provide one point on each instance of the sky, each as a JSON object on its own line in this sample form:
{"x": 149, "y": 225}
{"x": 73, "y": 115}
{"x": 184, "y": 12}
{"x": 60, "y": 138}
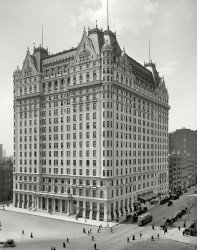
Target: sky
{"x": 169, "y": 24}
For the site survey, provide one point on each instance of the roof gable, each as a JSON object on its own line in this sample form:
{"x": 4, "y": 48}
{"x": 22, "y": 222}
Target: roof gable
{"x": 29, "y": 65}
{"x": 85, "y": 51}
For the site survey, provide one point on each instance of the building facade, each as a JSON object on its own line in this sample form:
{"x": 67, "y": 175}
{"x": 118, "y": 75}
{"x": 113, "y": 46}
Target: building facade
{"x": 6, "y": 181}
{"x": 90, "y": 130}
{"x": 1, "y": 152}
{"x": 181, "y": 172}
{"x": 184, "y": 141}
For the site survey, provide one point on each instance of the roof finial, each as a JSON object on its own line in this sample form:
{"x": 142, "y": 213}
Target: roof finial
{"x": 42, "y": 35}
{"x": 107, "y": 17}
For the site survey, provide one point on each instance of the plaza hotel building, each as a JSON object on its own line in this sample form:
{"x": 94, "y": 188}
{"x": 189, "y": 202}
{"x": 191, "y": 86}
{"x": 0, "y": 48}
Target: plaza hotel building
{"x": 90, "y": 130}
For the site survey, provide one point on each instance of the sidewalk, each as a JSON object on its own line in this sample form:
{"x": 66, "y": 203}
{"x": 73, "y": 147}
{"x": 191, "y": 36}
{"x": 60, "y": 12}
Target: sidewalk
{"x": 59, "y": 216}
{"x": 175, "y": 234}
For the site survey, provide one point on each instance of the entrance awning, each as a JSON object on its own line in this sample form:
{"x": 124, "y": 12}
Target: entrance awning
{"x": 136, "y": 202}
{"x": 147, "y": 197}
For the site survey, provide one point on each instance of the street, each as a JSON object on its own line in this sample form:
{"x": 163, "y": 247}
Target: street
{"x": 50, "y": 232}
{"x": 161, "y": 211}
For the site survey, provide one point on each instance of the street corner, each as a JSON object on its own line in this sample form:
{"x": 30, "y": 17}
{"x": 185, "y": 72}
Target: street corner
{"x": 176, "y": 235}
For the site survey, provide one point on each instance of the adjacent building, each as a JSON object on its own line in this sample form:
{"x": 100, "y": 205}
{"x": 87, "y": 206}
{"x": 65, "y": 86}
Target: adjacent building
{"x": 1, "y": 152}
{"x": 90, "y": 130}
{"x": 181, "y": 172}
{"x": 184, "y": 142}
{"x": 6, "y": 181}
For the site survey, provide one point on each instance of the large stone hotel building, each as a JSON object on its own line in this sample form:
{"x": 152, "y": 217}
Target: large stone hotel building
{"x": 90, "y": 130}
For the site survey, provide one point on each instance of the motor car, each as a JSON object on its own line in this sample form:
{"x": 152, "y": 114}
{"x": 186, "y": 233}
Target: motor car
{"x": 179, "y": 215}
{"x": 9, "y": 243}
{"x": 1, "y": 244}
{"x": 174, "y": 219}
{"x": 144, "y": 209}
{"x": 129, "y": 217}
{"x": 170, "y": 203}
{"x": 134, "y": 218}
{"x": 174, "y": 196}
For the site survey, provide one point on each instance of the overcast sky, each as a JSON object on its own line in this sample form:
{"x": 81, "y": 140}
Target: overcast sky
{"x": 170, "y": 24}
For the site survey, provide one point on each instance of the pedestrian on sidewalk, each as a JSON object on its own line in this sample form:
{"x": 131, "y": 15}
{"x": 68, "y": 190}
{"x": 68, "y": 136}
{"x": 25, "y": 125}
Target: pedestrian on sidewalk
{"x": 158, "y": 236}
{"x": 179, "y": 228}
{"x": 67, "y": 240}
{"x": 153, "y": 227}
{"x": 95, "y": 246}
{"x": 140, "y": 235}
{"x": 92, "y": 238}
{"x": 31, "y": 235}
{"x": 133, "y": 237}
{"x": 90, "y": 230}
{"x": 152, "y": 238}
{"x": 183, "y": 232}
{"x": 184, "y": 225}
{"x": 111, "y": 229}
{"x": 127, "y": 239}
{"x": 64, "y": 245}
{"x": 23, "y": 232}
{"x": 98, "y": 231}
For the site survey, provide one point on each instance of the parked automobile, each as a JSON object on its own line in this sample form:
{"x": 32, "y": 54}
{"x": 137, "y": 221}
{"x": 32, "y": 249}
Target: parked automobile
{"x": 9, "y": 243}
{"x": 154, "y": 201}
{"x": 174, "y": 196}
{"x": 185, "y": 190}
{"x": 179, "y": 192}
{"x": 129, "y": 217}
{"x": 144, "y": 209}
{"x": 134, "y": 218}
{"x": 170, "y": 203}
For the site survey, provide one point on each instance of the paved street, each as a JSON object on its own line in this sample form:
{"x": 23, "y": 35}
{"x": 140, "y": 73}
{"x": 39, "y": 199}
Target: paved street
{"x": 169, "y": 212}
{"x": 50, "y": 232}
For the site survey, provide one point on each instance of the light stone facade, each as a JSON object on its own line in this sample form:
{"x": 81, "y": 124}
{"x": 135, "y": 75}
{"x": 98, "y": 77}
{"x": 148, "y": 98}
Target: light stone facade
{"x": 90, "y": 130}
